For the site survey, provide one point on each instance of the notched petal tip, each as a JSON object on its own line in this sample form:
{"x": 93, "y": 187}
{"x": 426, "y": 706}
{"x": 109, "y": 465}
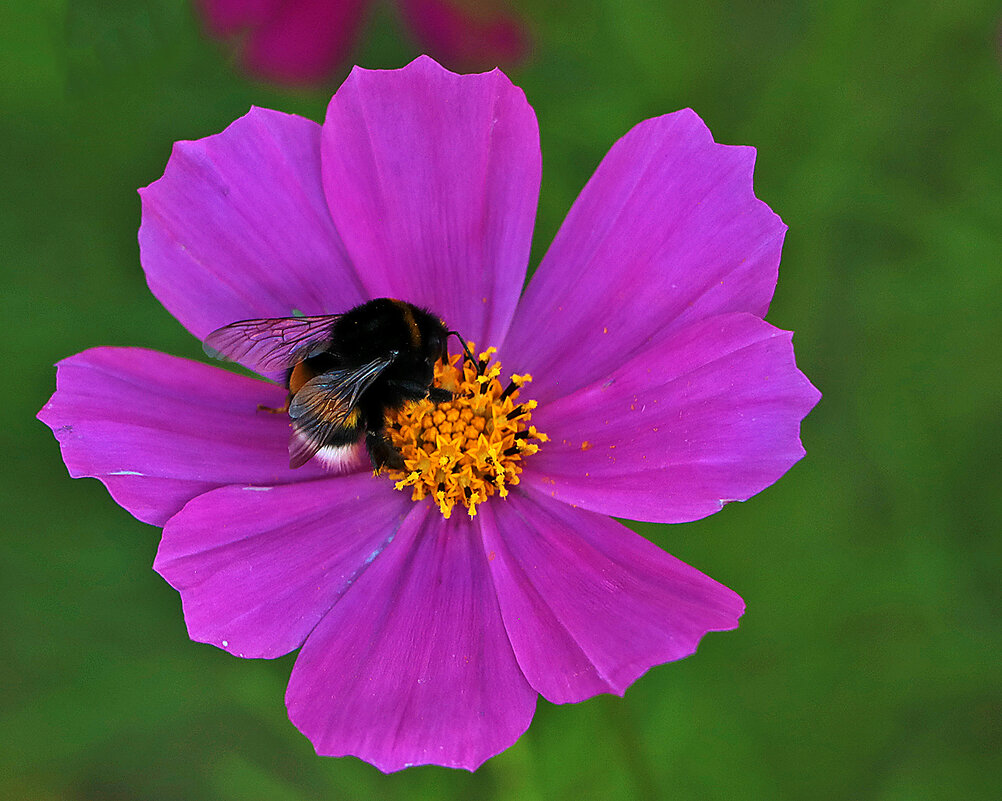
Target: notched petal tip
{"x": 422, "y": 64}
{"x": 743, "y": 157}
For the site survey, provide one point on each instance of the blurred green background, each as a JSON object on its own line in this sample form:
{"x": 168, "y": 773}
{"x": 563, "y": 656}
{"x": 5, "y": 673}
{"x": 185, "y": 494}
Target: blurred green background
{"x": 867, "y": 665}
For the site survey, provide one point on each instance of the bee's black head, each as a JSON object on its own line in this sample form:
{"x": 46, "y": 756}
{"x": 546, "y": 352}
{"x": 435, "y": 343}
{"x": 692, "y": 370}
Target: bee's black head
{"x": 412, "y": 337}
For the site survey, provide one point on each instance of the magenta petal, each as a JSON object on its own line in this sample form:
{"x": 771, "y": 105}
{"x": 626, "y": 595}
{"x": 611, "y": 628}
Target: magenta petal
{"x": 432, "y": 180}
{"x": 413, "y": 665}
{"x": 159, "y": 430}
{"x": 258, "y": 567}
{"x": 710, "y": 415}
{"x": 304, "y": 40}
{"x": 458, "y": 33}
{"x": 667, "y": 232}
{"x": 238, "y": 227}
{"x": 589, "y": 605}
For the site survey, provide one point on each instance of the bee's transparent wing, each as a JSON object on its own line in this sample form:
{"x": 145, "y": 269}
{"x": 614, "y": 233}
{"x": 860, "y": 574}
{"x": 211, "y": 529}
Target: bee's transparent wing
{"x": 270, "y": 343}
{"x": 327, "y": 406}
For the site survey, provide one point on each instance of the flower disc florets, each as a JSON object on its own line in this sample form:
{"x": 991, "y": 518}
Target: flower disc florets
{"x": 467, "y": 449}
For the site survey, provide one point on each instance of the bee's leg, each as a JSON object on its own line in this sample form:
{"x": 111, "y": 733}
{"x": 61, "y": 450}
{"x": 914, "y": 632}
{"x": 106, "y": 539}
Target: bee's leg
{"x": 272, "y": 410}
{"x": 300, "y": 374}
{"x": 381, "y": 452}
{"x": 439, "y": 395}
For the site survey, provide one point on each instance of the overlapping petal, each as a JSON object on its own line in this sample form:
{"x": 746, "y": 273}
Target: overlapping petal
{"x": 668, "y": 231}
{"x": 158, "y": 430}
{"x": 432, "y": 180}
{"x": 712, "y": 414}
{"x": 589, "y": 605}
{"x": 238, "y": 227}
{"x": 258, "y": 567}
{"x": 413, "y": 665}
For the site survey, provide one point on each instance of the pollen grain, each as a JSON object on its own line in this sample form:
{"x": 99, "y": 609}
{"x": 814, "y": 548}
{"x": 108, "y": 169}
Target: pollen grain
{"x": 467, "y": 449}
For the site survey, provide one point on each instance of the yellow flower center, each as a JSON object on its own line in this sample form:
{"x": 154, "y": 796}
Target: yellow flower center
{"x": 467, "y": 449}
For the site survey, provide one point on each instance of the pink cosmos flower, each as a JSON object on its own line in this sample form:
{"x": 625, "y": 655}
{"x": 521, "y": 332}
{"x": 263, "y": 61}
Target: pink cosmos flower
{"x": 303, "y": 41}
{"x": 662, "y": 390}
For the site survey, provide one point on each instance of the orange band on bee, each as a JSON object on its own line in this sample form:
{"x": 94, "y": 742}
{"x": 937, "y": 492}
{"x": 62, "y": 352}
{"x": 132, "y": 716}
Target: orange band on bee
{"x": 300, "y": 375}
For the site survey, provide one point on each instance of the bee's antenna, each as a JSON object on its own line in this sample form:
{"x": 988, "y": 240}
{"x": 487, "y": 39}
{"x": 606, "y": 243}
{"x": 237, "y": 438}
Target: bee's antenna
{"x": 466, "y": 350}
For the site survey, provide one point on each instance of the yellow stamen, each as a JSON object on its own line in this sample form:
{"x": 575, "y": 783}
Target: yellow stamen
{"x": 467, "y": 449}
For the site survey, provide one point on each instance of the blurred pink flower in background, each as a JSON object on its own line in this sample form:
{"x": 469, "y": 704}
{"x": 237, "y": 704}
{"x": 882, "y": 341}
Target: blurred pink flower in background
{"x": 303, "y": 41}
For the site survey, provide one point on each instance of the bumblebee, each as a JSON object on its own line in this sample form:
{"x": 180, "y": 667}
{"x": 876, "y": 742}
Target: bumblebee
{"x": 344, "y": 372}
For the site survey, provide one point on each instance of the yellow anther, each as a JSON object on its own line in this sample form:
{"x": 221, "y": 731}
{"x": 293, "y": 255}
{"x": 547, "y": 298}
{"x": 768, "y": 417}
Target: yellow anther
{"x": 471, "y": 447}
